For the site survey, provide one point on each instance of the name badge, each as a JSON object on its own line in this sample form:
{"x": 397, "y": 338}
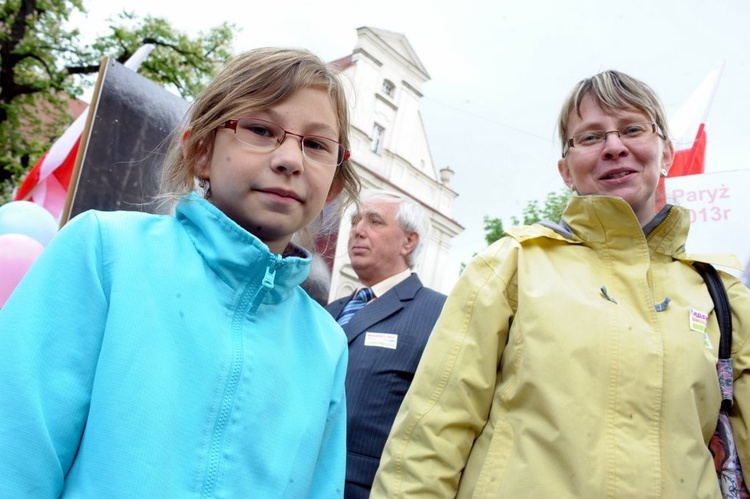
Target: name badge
{"x": 699, "y": 323}
{"x": 383, "y": 340}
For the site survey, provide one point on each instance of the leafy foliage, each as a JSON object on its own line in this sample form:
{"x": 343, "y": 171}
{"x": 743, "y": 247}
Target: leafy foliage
{"x": 44, "y": 63}
{"x": 554, "y": 205}
{"x": 493, "y": 229}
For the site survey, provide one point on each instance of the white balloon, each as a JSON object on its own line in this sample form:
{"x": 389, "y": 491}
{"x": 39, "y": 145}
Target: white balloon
{"x": 29, "y": 219}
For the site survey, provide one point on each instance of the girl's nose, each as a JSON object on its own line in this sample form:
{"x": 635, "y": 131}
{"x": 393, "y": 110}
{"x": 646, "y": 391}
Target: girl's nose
{"x": 288, "y": 157}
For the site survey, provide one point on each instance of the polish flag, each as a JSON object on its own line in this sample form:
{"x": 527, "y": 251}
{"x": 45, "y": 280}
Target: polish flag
{"x": 47, "y": 182}
{"x": 688, "y": 127}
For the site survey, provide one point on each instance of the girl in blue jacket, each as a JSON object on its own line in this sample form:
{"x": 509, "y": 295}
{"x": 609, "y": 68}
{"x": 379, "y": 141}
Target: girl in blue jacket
{"x": 176, "y": 356}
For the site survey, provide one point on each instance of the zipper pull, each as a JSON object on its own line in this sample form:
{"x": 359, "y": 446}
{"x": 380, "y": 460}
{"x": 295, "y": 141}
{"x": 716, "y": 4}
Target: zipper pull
{"x": 269, "y": 277}
{"x": 267, "y": 283}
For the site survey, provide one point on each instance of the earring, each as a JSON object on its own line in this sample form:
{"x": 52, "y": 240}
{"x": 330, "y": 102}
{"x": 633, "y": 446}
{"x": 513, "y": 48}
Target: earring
{"x": 205, "y": 185}
{"x": 663, "y": 172}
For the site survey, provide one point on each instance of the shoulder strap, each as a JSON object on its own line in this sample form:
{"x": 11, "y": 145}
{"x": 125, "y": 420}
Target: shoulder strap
{"x": 721, "y": 305}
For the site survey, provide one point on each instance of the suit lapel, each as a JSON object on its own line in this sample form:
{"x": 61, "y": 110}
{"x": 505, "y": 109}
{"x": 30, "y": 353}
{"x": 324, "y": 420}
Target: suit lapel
{"x": 371, "y": 314}
{"x": 383, "y": 307}
{"x": 335, "y": 308}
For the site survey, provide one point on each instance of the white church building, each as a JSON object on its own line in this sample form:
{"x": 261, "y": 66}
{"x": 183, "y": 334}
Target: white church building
{"x": 384, "y": 78}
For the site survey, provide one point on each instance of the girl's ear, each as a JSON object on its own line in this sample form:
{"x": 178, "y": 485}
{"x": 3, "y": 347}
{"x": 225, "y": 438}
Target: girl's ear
{"x": 200, "y": 165}
{"x": 184, "y": 136}
{"x": 336, "y": 187}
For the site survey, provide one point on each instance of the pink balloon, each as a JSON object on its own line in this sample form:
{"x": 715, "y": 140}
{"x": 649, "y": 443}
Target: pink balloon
{"x": 17, "y": 253}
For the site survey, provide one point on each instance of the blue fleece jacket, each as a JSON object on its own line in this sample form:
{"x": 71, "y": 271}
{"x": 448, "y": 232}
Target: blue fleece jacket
{"x": 169, "y": 356}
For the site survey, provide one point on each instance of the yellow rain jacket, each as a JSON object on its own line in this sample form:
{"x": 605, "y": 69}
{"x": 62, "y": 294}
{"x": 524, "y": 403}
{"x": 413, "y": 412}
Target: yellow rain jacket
{"x": 572, "y": 363}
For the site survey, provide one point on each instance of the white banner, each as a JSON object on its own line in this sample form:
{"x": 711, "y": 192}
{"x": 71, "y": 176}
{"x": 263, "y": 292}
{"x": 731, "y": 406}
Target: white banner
{"x": 719, "y": 205}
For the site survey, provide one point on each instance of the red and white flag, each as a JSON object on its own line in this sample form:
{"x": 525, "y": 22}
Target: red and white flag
{"x": 47, "y": 182}
{"x": 688, "y": 127}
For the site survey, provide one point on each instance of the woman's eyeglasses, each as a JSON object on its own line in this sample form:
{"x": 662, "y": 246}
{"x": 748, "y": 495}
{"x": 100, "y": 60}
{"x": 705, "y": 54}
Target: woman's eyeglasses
{"x": 631, "y": 132}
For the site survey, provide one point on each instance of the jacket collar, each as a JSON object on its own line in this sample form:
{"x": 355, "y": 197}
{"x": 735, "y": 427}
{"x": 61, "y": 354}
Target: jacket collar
{"x": 601, "y": 220}
{"x": 604, "y": 219}
{"x": 237, "y": 257}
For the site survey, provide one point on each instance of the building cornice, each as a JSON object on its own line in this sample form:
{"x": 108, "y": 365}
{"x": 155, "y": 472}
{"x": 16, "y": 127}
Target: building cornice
{"x": 360, "y": 50}
{"x": 387, "y": 102}
{"x": 410, "y": 87}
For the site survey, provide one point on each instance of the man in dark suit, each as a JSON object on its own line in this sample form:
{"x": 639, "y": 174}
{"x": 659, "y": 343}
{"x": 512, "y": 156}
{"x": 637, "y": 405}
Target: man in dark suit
{"x": 388, "y": 334}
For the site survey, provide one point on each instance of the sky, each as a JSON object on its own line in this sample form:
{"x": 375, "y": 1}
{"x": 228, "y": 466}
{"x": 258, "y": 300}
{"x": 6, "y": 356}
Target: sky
{"x": 500, "y": 71}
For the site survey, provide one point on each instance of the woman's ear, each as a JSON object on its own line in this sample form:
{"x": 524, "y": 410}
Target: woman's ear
{"x": 336, "y": 187}
{"x": 667, "y": 156}
{"x": 565, "y": 173}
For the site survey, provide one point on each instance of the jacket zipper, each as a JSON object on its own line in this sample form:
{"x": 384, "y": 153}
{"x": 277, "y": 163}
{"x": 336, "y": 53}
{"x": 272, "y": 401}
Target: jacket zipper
{"x": 655, "y": 229}
{"x": 659, "y": 307}
{"x": 268, "y": 281}
{"x": 249, "y": 302}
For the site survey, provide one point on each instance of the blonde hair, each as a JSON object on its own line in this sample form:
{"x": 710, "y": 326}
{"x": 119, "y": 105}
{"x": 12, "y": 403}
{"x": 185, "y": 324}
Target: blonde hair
{"x": 613, "y": 90}
{"x": 251, "y": 82}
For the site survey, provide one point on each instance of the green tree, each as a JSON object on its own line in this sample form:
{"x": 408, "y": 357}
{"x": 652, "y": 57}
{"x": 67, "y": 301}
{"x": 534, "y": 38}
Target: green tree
{"x": 552, "y": 209}
{"x": 44, "y": 63}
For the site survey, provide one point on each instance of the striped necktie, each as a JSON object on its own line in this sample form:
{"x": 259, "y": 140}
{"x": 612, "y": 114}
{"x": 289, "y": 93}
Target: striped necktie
{"x": 360, "y": 300}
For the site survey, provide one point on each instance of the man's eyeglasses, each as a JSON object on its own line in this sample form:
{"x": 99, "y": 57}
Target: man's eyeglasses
{"x": 266, "y": 136}
{"x": 631, "y": 132}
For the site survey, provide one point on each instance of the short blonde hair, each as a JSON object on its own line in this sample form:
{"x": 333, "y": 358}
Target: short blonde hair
{"x": 613, "y": 90}
{"x": 251, "y": 82}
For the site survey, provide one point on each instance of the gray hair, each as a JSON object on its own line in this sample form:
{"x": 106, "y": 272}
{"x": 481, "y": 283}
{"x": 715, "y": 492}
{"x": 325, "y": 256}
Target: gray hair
{"x": 318, "y": 282}
{"x": 411, "y": 217}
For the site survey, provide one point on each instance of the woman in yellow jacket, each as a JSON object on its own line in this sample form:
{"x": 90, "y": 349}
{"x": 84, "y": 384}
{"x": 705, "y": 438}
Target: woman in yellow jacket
{"x": 579, "y": 359}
